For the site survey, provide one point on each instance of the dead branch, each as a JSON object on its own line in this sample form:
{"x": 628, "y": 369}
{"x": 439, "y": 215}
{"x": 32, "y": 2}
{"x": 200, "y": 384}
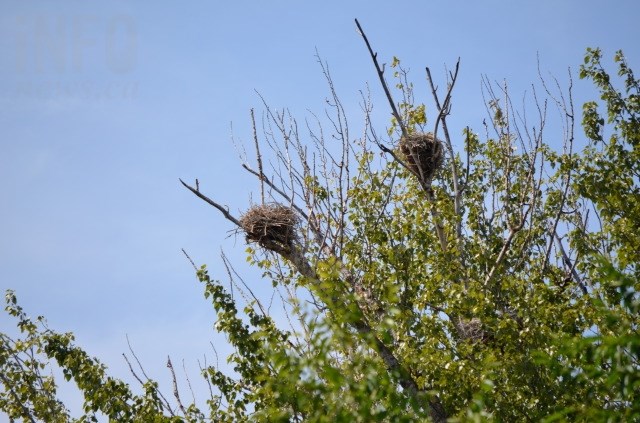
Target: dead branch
{"x": 258, "y": 155}
{"x": 271, "y": 185}
{"x": 176, "y": 393}
{"x": 444, "y": 109}
{"x": 186, "y": 375}
{"x": 166, "y": 402}
{"x": 133, "y": 372}
{"x": 190, "y": 259}
{"x": 380, "y": 71}
{"x": 223, "y": 210}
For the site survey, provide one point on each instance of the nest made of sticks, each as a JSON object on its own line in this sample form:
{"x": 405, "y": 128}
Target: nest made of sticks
{"x": 473, "y": 330}
{"x": 423, "y": 154}
{"x": 272, "y": 226}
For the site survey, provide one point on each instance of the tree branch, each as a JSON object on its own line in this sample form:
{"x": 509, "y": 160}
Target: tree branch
{"x": 166, "y": 403}
{"x": 26, "y": 413}
{"x": 258, "y": 155}
{"x": 571, "y": 268}
{"x": 380, "y": 71}
{"x": 176, "y": 394}
{"x": 271, "y": 185}
{"x": 443, "y": 111}
{"x": 223, "y": 210}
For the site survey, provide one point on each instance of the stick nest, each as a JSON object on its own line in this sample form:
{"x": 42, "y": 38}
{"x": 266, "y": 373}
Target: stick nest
{"x": 423, "y": 154}
{"x": 272, "y": 226}
{"x": 473, "y": 330}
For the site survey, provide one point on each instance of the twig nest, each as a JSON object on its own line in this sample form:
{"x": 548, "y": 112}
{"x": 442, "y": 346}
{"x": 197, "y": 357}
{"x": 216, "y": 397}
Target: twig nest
{"x": 472, "y": 330}
{"x": 272, "y": 226}
{"x": 423, "y": 154}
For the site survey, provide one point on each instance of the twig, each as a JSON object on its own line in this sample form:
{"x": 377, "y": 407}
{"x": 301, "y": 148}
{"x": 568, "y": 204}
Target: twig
{"x": 443, "y": 110}
{"x": 276, "y": 189}
{"x": 445, "y": 107}
{"x": 133, "y": 372}
{"x": 190, "y": 260}
{"x": 258, "y": 155}
{"x": 229, "y": 268}
{"x": 166, "y": 402}
{"x": 567, "y": 110}
{"x": 202, "y": 370}
{"x": 380, "y": 71}
{"x": 223, "y": 210}
{"x": 175, "y": 386}
{"x": 186, "y": 375}
{"x": 570, "y": 266}
{"x": 136, "y": 358}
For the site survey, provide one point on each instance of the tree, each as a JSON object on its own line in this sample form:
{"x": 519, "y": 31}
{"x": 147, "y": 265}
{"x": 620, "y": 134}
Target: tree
{"x": 421, "y": 281}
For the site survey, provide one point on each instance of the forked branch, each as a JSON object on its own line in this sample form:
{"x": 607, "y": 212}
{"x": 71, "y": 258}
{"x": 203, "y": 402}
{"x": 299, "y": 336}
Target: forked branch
{"x": 445, "y": 108}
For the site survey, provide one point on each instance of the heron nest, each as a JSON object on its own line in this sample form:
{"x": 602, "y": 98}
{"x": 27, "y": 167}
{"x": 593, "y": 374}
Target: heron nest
{"x": 272, "y": 226}
{"x": 472, "y": 330}
{"x": 422, "y": 153}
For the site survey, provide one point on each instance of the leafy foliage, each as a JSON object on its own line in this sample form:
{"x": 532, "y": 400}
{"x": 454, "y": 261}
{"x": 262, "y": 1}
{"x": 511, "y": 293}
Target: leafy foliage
{"x": 489, "y": 293}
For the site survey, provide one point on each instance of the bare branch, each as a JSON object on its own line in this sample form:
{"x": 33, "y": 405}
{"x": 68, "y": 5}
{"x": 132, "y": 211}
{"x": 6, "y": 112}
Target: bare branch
{"x": 202, "y": 369}
{"x": 284, "y": 195}
{"x": 133, "y": 372}
{"x": 223, "y": 210}
{"x": 166, "y": 402}
{"x": 186, "y": 375}
{"x": 258, "y": 155}
{"x": 232, "y": 271}
{"x": 445, "y": 108}
{"x": 176, "y": 394}
{"x": 190, "y": 260}
{"x": 380, "y": 71}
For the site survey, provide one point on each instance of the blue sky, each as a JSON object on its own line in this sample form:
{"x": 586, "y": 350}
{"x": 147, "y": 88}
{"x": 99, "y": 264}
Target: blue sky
{"x": 104, "y": 105}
